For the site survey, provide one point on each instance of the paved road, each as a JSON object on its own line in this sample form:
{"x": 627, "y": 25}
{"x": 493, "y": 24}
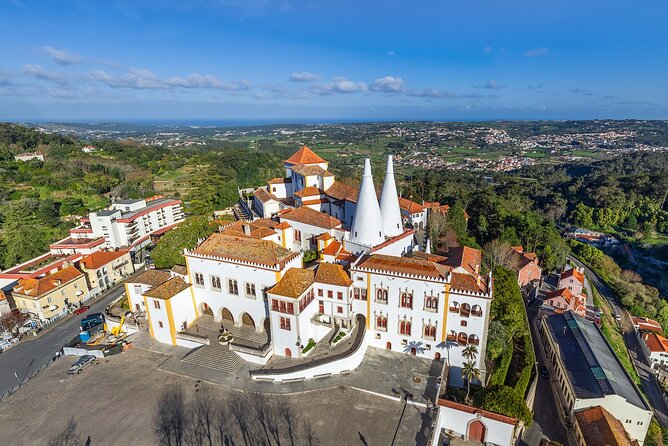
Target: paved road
{"x": 650, "y": 386}
{"x": 546, "y": 411}
{"x": 31, "y": 353}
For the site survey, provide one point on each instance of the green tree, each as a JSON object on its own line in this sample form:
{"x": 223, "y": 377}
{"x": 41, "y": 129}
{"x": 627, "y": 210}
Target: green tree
{"x": 169, "y": 249}
{"x": 583, "y": 215}
{"x": 469, "y": 373}
{"x": 505, "y": 401}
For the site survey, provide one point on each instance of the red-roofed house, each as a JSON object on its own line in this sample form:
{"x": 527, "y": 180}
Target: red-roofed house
{"x": 460, "y": 421}
{"x": 525, "y": 265}
{"x": 573, "y": 279}
{"x": 657, "y": 346}
{"x": 105, "y": 269}
{"x": 643, "y": 323}
{"x": 564, "y": 299}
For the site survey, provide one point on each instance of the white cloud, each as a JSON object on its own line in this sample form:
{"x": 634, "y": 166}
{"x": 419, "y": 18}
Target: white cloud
{"x": 487, "y": 50}
{"x": 340, "y": 85}
{"x": 304, "y": 76}
{"x": 490, "y": 85}
{"x": 145, "y": 79}
{"x": 62, "y": 57}
{"x": 431, "y": 93}
{"x": 388, "y": 84}
{"x": 536, "y": 52}
{"x": 38, "y": 72}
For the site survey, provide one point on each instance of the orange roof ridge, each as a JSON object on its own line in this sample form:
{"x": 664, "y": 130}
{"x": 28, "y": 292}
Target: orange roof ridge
{"x": 304, "y": 156}
{"x": 294, "y": 283}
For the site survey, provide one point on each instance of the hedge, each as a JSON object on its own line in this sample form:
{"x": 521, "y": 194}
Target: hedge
{"x": 501, "y": 368}
{"x": 529, "y": 362}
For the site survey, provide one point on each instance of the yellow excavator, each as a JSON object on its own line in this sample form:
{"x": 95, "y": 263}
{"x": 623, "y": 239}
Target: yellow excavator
{"x": 116, "y": 331}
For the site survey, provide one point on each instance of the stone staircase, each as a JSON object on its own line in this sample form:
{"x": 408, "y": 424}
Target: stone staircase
{"x": 216, "y": 358}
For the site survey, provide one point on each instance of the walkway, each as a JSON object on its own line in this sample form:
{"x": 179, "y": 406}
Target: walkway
{"x": 216, "y": 357}
{"x": 245, "y": 335}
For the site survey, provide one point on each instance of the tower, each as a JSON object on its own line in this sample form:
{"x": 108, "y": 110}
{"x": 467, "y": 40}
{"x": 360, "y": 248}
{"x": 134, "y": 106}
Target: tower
{"x": 367, "y": 227}
{"x": 389, "y": 203}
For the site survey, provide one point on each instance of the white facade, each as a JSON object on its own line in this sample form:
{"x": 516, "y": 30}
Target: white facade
{"x": 389, "y": 203}
{"x": 461, "y": 421}
{"x": 129, "y": 223}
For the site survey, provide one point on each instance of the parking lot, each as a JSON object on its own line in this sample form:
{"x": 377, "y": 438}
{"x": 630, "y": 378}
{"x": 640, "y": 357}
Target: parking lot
{"x": 114, "y": 402}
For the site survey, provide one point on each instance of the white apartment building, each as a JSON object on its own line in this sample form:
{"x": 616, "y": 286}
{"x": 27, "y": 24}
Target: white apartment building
{"x": 589, "y": 374}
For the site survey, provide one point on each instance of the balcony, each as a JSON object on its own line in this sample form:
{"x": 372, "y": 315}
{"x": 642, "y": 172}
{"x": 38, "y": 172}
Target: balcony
{"x": 462, "y": 339}
{"x": 454, "y": 309}
{"x": 464, "y": 313}
{"x": 476, "y": 313}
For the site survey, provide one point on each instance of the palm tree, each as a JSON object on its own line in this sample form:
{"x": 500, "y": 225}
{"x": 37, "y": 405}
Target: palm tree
{"x": 470, "y": 352}
{"x": 469, "y": 373}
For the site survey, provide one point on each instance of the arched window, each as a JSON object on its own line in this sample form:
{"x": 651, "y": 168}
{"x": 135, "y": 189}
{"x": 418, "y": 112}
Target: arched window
{"x": 462, "y": 338}
{"x": 454, "y": 307}
{"x": 407, "y": 300}
{"x": 473, "y": 339}
{"x": 385, "y": 295}
{"x": 379, "y": 294}
{"x": 405, "y": 328}
{"x": 465, "y": 310}
{"x": 381, "y": 322}
{"x": 476, "y": 310}
{"x": 429, "y": 331}
{"x": 431, "y": 303}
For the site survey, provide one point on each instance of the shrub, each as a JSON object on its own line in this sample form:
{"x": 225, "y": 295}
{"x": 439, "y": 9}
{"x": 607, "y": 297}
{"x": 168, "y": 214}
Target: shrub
{"x": 504, "y": 400}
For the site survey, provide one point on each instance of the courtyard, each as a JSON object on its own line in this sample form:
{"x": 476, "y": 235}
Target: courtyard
{"x": 115, "y": 400}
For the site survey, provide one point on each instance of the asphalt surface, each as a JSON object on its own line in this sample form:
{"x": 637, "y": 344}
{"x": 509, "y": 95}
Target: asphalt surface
{"x": 31, "y": 353}
{"x": 649, "y": 384}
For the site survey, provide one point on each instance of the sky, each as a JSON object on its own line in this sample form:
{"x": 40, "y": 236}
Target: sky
{"x": 336, "y": 60}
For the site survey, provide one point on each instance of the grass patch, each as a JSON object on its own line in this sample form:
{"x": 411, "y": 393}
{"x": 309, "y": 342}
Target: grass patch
{"x": 338, "y": 337}
{"x": 309, "y": 346}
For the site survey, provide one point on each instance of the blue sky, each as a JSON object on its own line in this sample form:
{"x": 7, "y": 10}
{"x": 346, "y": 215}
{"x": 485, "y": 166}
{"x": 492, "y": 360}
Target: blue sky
{"x": 333, "y": 60}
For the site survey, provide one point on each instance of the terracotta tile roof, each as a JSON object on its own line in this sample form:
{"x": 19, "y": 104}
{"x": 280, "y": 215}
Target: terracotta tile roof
{"x": 44, "y": 285}
{"x": 443, "y": 208}
{"x": 316, "y": 201}
{"x": 473, "y": 410}
{"x": 600, "y": 428}
{"x": 332, "y": 249}
{"x": 573, "y": 273}
{"x": 340, "y": 191}
{"x": 466, "y": 282}
{"x": 263, "y": 195}
{"x": 180, "y": 269}
{"x": 464, "y": 257}
{"x": 430, "y": 257}
{"x": 656, "y": 342}
{"x": 644, "y": 323}
{"x": 324, "y": 236}
{"x": 263, "y": 223}
{"x": 100, "y": 258}
{"x": 236, "y": 228}
{"x": 403, "y": 265}
{"x": 245, "y": 249}
{"x": 410, "y": 206}
{"x": 152, "y": 277}
{"x": 310, "y": 170}
{"x": 283, "y": 225}
{"x": 262, "y": 232}
{"x": 563, "y": 292}
{"x": 168, "y": 289}
{"x": 309, "y": 191}
{"x": 304, "y": 156}
{"x": 522, "y": 258}
{"x": 311, "y": 217}
{"x": 279, "y": 181}
{"x": 332, "y": 274}
{"x": 294, "y": 283}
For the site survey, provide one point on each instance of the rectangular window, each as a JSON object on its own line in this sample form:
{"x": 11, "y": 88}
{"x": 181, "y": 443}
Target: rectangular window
{"x": 291, "y": 308}
{"x": 464, "y": 323}
{"x": 48, "y": 299}
{"x": 285, "y": 323}
{"x": 339, "y": 309}
{"x": 250, "y": 290}
{"x": 330, "y": 294}
{"x": 233, "y": 287}
{"x": 160, "y": 324}
{"x": 156, "y": 304}
{"x": 339, "y": 295}
{"x": 298, "y": 236}
{"x": 319, "y": 292}
{"x": 199, "y": 279}
{"x": 138, "y": 289}
{"x": 215, "y": 283}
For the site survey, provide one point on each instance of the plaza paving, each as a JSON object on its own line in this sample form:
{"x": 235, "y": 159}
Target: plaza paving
{"x": 114, "y": 402}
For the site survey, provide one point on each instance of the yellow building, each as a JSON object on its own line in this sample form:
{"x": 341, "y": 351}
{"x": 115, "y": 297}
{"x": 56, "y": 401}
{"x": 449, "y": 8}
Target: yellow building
{"x": 105, "y": 269}
{"x": 48, "y": 296}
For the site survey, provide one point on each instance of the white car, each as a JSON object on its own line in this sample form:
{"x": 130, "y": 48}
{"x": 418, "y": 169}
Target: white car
{"x": 5, "y": 345}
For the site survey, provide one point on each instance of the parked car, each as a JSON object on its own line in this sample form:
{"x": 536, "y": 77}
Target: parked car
{"x": 4, "y": 345}
{"x": 82, "y": 309}
{"x": 544, "y": 372}
{"x": 81, "y": 364}
{"x": 30, "y": 325}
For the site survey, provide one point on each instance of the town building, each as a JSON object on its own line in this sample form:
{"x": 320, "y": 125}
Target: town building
{"x": 564, "y": 300}
{"x": 646, "y": 324}
{"x": 587, "y": 373}
{"x": 29, "y": 156}
{"x": 572, "y": 278}
{"x": 104, "y": 269}
{"x": 525, "y": 265}
{"x": 138, "y": 285}
{"x": 171, "y": 309}
{"x": 478, "y": 426}
{"x": 52, "y": 295}
{"x": 656, "y": 347}
{"x": 595, "y": 426}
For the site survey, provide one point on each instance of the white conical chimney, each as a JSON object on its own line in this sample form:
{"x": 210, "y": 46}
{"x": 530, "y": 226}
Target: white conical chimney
{"x": 389, "y": 203}
{"x": 367, "y": 227}
{"x": 427, "y": 247}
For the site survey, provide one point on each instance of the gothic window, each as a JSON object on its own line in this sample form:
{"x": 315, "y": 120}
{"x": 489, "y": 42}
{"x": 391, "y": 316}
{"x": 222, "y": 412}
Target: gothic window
{"x": 406, "y": 300}
{"x": 405, "y": 328}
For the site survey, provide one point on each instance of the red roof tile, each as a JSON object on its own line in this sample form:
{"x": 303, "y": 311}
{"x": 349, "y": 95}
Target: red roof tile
{"x": 304, "y": 156}
{"x": 311, "y": 217}
{"x": 44, "y": 285}
{"x": 99, "y": 259}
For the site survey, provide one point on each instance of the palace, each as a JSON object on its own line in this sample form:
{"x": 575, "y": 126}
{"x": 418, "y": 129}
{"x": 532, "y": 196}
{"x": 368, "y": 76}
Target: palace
{"x": 370, "y": 280}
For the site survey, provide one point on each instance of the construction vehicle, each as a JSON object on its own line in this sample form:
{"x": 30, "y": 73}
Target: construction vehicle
{"x": 116, "y": 331}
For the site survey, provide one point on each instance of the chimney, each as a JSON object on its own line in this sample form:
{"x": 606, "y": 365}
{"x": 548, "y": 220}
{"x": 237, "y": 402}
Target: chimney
{"x": 389, "y": 203}
{"x": 367, "y": 227}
